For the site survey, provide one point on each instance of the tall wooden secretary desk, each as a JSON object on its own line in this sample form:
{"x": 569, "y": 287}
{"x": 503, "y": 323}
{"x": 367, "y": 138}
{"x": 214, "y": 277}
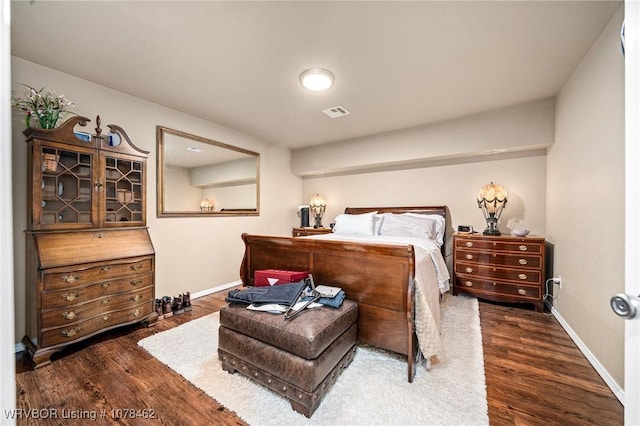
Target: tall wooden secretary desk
{"x": 89, "y": 257}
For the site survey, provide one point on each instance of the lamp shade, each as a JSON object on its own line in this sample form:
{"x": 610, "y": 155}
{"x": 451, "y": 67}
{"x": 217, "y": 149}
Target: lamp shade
{"x": 493, "y": 196}
{"x": 317, "y": 201}
{"x": 206, "y": 205}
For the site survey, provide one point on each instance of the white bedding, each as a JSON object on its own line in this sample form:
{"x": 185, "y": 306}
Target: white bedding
{"x": 431, "y": 279}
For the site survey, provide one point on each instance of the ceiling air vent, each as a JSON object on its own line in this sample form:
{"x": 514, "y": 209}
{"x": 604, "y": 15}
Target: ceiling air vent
{"x": 336, "y": 111}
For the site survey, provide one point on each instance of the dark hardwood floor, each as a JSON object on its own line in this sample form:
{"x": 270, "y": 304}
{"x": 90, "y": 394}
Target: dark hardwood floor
{"x": 535, "y": 376}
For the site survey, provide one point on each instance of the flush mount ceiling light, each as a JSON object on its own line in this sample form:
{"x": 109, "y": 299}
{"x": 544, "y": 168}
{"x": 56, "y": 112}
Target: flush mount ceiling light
{"x": 317, "y": 79}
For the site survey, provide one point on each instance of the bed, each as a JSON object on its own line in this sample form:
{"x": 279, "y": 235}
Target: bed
{"x": 396, "y": 281}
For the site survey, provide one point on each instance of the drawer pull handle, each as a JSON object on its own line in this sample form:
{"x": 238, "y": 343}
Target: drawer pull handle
{"x": 136, "y": 267}
{"x": 469, "y": 256}
{"x": 70, "y": 279}
{"x": 99, "y": 234}
{"x": 136, "y": 297}
{"x": 105, "y": 301}
{"x": 522, "y": 261}
{"x": 522, "y": 276}
{"x": 468, "y": 244}
{"x": 136, "y": 282}
{"x": 468, "y": 283}
{"x": 469, "y": 270}
{"x": 523, "y": 248}
{"x": 69, "y": 297}
{"x": 70, "y": 315}
{"x": 71, "y": 332}
{"x": 522, "y": 292}
{"x": 136, "y": 313}
{"x": 107, "y": 284}
{"x": 105, "y": 268}
{"x": 105, "y": 318}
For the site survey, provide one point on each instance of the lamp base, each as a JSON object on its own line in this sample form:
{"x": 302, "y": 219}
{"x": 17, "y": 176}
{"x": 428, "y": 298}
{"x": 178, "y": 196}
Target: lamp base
{"x": 492, "y": 226}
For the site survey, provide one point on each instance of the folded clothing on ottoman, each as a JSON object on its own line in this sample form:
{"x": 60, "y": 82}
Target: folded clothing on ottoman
{"x": 299, "y": 359}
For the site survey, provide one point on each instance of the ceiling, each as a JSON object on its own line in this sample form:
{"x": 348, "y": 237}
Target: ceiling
{"x": 397, "y": 64}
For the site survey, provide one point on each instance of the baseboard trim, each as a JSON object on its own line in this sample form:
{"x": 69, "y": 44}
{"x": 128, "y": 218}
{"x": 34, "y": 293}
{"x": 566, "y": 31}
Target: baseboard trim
{"x": 215, "y": 289}
{"x": 613, "y": 385}
{"x": 20, "y": 346}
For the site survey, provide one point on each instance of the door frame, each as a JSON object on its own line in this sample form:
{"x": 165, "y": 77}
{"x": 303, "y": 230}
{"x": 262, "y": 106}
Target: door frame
{"x": 632, "y": 207}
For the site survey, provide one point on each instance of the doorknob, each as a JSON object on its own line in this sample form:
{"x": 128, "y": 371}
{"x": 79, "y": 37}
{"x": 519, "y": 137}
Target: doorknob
{"x": 624, "y": 306}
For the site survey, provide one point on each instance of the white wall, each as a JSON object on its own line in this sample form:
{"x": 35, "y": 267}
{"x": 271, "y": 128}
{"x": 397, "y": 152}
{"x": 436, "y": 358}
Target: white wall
{"x": 585, "y": 198}
{"x": 192, "y": 254}
{"x": 455, "y": 186}
{"x": 179, "y": 194}
{"x": 518, "y": 129}
{"x": 440, "y": 178}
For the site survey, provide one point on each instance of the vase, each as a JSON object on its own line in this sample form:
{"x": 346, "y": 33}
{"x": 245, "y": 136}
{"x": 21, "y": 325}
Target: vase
{"x": 48, "y": 119}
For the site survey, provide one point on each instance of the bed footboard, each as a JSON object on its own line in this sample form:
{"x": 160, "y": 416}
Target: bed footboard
{"x": 378, "y": 277}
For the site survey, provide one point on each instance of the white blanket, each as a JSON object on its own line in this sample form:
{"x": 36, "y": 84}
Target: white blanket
{"x": 431, "y": 279}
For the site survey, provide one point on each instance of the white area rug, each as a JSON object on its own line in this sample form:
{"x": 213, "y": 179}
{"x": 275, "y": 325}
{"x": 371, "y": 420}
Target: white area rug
{"x": 372, "y": 391}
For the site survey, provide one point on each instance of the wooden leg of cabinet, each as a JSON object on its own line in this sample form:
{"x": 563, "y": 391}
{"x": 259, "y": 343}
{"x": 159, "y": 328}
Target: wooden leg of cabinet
{"x": 39, "y": 357}
{"x": 152, "y": 320}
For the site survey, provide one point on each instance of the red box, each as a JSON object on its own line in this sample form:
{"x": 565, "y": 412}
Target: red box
{"x": 267, "y": 277}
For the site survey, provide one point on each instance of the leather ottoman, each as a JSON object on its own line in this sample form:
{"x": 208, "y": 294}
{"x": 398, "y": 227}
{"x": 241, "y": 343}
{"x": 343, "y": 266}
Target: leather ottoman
{"x": 299, "y": 358}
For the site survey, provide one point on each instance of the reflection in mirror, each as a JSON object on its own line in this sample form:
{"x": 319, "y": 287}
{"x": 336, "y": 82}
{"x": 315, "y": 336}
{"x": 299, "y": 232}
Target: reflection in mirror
{"x": 202, "y": 177}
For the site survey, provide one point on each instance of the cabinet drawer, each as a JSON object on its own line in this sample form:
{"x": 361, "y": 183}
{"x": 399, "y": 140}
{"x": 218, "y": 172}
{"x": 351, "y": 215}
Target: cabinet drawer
{"x": 79, "y": 276}
{"x": 82, "y": 312}
{"x": 512, "y": 246}
{"x": 529, "y": 276}
{"x": 73, "y": 296}
{"x": 70, "y": 333}
{"x": 472, "y": 285}
{"x": 503, "y": 259}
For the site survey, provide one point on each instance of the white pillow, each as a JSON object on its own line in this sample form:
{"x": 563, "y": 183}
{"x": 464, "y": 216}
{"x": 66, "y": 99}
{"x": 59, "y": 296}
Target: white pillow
{"x": 440, "y": 225}
{"x": 354, "y": 224}
{"x": 430, "y": 227}
{"x": 377, "y": 223}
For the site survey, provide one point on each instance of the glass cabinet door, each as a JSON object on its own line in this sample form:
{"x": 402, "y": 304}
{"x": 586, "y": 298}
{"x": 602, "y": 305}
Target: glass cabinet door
{"x": 123, "y": 191}
{"x": 66, "y": 189}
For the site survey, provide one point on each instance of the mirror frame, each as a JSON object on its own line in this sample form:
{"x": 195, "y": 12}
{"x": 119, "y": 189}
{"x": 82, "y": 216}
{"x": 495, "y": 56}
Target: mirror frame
{"x": 160, "y": 156}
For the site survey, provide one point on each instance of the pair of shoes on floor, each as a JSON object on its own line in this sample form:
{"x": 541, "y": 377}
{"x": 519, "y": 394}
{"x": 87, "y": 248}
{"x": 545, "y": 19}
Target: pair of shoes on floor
{"x": 163, "y": 307}
{"x": 166, "y": 308}
{"x": 181, "y": 304}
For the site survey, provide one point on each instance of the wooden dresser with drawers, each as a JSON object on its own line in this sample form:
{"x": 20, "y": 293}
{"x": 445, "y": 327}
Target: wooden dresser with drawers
{"x": 500, "y": 268}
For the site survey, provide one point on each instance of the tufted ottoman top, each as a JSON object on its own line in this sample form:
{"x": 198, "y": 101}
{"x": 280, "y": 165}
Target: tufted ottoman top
{"x": 307, "y": 335}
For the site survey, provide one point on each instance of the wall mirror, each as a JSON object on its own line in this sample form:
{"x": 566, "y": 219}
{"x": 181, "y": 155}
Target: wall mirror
{"x": 203, "y": 177}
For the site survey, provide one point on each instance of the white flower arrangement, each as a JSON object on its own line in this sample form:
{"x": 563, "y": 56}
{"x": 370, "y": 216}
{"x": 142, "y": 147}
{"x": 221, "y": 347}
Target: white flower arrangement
{"x": 42, "y": 105}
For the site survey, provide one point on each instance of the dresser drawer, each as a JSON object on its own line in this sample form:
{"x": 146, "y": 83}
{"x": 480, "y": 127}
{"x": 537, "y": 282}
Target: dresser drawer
{"x": 77, "y": 277}
{"x": 82, "y": 312}
{"x": 481, "y": 270}
{"x": 70, "y": 333}
{"x": 480, "y": 286}
{"x": 511, "y": 246}
{"x": 73, "y": 296}
{"x": 503, "y": 259}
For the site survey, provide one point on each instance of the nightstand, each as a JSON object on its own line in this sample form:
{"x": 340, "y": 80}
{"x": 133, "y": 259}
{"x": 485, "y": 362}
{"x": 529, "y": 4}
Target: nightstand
{"x": 500, "y": 268}
{"x": 303, "y": 232}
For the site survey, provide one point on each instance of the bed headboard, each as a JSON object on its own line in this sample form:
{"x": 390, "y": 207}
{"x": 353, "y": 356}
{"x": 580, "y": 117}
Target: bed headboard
{"x": 439, "y": 210}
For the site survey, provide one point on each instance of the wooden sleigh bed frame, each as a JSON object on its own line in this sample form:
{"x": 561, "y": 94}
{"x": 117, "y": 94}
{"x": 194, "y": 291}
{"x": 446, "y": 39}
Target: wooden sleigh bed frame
{"x": 380, "y": 278}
